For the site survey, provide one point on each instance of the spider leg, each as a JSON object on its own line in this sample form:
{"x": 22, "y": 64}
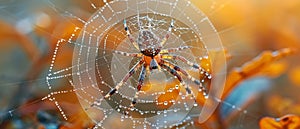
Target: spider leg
{"x": 182, "y": 83}
{"x": 177, "y": 68}
{"x": 128, "y": 54}
{"x": 196, "y": 66}
{"x": 139, "y": 86}
{"x": 131, "y": 39}
{"x": 126, "y": 77}
{"x": 166, "y": 37}
{"x": 167, "y": 51}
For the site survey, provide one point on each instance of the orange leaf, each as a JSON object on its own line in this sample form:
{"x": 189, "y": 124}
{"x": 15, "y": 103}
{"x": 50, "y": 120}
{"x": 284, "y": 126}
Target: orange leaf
{"x": 285, "y": 122}
{"x": 8, "y": 32}
{"x": 264, "y": 64}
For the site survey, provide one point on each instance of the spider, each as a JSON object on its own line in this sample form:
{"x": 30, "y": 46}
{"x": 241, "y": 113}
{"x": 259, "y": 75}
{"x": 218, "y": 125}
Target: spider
{"x": 152, "y": 56}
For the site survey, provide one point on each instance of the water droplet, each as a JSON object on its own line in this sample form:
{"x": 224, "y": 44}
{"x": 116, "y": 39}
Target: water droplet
{"x": 165, "y": 103}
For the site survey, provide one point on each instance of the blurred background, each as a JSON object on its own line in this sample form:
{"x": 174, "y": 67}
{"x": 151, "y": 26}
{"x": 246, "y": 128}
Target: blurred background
{"x": 29, "y": 30}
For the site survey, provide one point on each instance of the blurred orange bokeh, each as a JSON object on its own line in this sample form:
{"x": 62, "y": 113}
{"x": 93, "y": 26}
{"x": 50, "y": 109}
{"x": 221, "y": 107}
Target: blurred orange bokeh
{"x": 246, "y": 28}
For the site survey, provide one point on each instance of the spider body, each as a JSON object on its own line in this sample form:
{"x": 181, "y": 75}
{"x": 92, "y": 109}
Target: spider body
{"x": 149, "y": 43}
{"x": 153, "y": 56}
{"x": 152, "y": 62}
{"x": 150, "y": 46}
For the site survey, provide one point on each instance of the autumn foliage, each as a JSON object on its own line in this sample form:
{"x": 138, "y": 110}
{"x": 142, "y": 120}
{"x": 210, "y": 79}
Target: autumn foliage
{"x": 269, "y": 42}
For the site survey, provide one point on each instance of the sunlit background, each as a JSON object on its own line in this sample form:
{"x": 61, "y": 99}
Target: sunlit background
{"x": 29, "y": 30}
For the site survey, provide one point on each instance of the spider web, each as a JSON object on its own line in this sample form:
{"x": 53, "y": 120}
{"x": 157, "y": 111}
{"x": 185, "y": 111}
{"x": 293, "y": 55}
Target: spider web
{"x": 96, "y": 69}
{"x": 103, "y": 33}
